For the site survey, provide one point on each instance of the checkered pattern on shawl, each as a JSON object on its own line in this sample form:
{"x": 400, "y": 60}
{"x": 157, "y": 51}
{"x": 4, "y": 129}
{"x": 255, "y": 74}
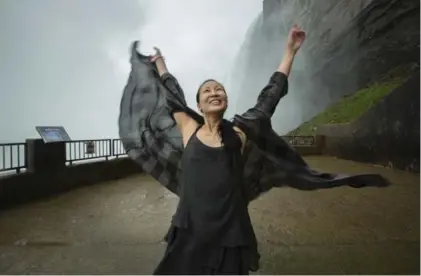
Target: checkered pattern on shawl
{"x": 151, "y": 138}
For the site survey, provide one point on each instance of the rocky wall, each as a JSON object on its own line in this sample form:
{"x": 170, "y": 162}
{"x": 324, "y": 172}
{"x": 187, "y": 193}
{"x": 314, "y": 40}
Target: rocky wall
{"x": 388, "y": 134}
{"x": 350, "y": 44}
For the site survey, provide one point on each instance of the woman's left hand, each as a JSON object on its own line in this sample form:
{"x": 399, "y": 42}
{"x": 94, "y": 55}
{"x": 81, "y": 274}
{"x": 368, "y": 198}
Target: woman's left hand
{"x": 296, "y": 38}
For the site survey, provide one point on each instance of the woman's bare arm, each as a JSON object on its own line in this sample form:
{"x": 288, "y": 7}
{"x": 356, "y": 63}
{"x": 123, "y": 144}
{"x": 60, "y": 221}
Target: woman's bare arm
{"x": 242, "y": 137}
{"x": 278, "y": 84}
{"x": 296, "y": 37}
{"x": 287, "y": 61}
{"x": 185, "y": 123}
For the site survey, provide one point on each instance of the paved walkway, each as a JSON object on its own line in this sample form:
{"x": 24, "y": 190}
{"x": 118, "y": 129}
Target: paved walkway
{"x": 117, "y": 228}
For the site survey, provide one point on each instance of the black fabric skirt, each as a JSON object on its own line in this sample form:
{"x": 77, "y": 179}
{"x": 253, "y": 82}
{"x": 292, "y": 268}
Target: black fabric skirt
{"x": 184, "y": 255}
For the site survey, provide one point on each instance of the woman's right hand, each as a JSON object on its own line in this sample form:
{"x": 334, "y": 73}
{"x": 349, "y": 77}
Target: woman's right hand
{"x": 159, "y": 61}
{"x": 157, "y": 55}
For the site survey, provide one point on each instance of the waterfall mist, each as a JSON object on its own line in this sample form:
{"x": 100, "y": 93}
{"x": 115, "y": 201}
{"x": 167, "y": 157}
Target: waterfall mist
{"x": 66, "y": 62}
{"x": 311, "y": 89}
{"x": 199, "y": 39}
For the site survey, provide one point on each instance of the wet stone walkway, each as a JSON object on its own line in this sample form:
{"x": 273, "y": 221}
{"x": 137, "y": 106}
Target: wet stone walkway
{"x": 117, "y": 228}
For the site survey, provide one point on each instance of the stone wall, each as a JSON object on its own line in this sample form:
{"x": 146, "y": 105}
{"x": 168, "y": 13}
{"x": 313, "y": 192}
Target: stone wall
{"x": 387, "y": 134}
{"x": 24, "y": 187}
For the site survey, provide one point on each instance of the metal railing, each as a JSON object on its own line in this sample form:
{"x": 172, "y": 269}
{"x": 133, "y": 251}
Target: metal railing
{"x": 93, "y": 149}
{"x": 118, "y": 149}
{"x": 12, "y": 157}
{"x": 79, "y": 150}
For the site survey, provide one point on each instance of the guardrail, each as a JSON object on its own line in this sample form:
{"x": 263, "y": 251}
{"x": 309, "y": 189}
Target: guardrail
{"x": 12, "y": 157}
{"x": 118, "y": 149}
{"x": 79, "y": 150}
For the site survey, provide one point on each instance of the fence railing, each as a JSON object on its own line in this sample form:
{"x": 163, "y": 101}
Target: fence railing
{"x": 12, "y": 157}
{"x": 118, "y": 149}
{"x": 79, "y": 150}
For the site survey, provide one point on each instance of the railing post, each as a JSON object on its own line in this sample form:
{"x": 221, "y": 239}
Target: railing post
{"x": 111, "y": 147}
{"x": 26, "y": 155}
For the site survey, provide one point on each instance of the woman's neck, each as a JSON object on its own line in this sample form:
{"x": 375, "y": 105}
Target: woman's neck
{"x": 212, "y": 124}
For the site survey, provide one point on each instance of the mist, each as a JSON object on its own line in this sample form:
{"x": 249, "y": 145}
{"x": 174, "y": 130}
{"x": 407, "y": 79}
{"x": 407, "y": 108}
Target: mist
{"x": 259, "y": 58}
{"x": 323, "y": 70}
{"x": 66, "y": 62}
{"x": 261, "y": 55}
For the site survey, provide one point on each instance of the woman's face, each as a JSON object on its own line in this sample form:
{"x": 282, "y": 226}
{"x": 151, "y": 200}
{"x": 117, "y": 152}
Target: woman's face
{"x": 212, "y": 98}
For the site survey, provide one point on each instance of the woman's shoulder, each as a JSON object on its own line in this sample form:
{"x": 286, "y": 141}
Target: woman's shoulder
{"x": 242, "y": 137}
{"x": 188, "y": 130}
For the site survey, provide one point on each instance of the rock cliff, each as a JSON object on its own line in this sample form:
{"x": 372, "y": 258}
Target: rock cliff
{"x": 350, "y": 44}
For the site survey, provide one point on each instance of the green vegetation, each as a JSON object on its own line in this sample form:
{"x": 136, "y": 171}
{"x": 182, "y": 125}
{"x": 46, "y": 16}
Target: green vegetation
{"x": 349, "y": 108}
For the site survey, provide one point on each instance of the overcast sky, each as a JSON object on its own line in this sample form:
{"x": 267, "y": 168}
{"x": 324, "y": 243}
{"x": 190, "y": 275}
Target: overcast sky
{"x": 65, "y": 62}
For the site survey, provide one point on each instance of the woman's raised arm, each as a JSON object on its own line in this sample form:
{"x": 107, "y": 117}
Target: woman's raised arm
{"x": 253, "y": 120}
{"x": 186, "y": 124}
{"x": 296, "y": 37}
{"x": 277, "y": 86}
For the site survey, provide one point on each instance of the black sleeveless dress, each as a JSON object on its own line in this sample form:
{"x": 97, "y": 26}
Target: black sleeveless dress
{"x": 211, "y": 231}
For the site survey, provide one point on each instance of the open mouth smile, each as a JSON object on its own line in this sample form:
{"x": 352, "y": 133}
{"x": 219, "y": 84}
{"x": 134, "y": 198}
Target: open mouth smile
{"x": 215, "y": 101}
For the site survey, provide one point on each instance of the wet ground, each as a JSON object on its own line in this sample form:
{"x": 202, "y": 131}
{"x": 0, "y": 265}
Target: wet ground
{"x": 117, "y": 228}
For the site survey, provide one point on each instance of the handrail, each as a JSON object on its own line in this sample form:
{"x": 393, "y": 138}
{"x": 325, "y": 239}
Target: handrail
{"x": 13, "y": 155}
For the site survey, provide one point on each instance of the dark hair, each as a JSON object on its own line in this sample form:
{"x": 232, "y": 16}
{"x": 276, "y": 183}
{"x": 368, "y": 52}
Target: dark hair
{"x": 203, "y": 83}
{"x": 229, "y": 137}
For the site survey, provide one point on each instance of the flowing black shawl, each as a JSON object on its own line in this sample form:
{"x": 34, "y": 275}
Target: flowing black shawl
{"x": 151, "y": 137}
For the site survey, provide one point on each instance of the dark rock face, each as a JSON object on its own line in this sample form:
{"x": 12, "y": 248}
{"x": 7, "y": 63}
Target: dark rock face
{"x": 384, "y": 36}
{"x": 350, "y": 44}
{"x": 388, "y": 134}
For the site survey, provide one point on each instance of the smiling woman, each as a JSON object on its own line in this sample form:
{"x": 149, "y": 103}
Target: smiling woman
{"x": 215, "y": 166}
{"x": 211, "y": 231}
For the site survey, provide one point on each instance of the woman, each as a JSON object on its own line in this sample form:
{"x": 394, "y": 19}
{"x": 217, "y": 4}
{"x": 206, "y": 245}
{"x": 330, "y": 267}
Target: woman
{"x": 211, "y": 231}
{"x": 216, "y": 167}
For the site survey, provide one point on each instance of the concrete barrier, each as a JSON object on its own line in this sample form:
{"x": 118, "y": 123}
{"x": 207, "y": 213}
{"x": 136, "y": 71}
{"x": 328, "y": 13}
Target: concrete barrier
{"x": 28, "y": 186}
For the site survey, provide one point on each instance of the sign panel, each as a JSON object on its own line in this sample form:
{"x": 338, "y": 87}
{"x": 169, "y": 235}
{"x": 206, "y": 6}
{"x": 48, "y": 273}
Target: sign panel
{"x": 51, "y": 134}
{"x": 90, "y": 147}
